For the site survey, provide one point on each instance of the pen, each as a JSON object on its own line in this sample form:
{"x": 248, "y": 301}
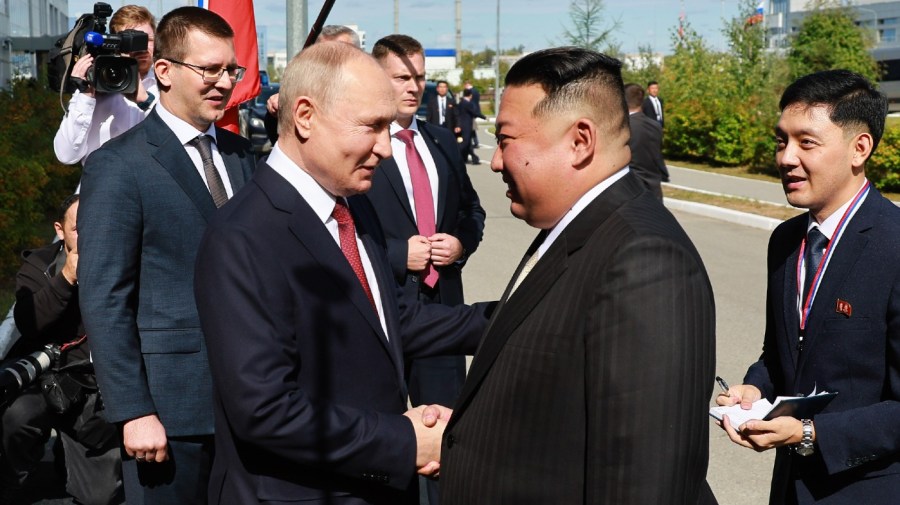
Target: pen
{"x": 722, "y": 384}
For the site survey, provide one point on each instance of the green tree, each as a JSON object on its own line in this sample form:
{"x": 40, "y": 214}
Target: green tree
{"x": 589, "y": 29}
{"x": 828, "y": 38}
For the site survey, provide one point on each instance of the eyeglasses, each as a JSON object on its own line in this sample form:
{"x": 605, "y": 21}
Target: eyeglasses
{"x": 211, "y": 75}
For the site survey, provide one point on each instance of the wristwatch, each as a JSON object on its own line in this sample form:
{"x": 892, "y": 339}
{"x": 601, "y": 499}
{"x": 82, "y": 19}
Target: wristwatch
{"x": 805, "y": 447}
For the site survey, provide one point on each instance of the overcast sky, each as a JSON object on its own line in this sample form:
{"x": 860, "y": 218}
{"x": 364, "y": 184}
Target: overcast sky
{"x": 535, "y": 24}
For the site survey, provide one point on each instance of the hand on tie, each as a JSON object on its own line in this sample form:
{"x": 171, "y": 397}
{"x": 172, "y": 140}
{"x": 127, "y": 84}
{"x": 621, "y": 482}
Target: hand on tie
{"x": 418, "y": 253}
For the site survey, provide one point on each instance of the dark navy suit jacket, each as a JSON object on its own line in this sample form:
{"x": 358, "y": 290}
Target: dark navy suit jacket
{"x": 143, "y": 210}
{"x": 309, "y": 391}
{"x": 857, "y": 457}
{"x": 459, "y": 212}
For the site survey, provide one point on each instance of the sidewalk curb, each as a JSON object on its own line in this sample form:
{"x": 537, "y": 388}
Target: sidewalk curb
{"x": 731, "y": 216}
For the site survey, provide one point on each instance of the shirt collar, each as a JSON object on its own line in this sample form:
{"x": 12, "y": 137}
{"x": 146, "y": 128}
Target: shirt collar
{"x": 829, "y": 225}
{"x": 321, "y": 201}
{"x": 395, "y": 127}
{"x": 183, "y": 130}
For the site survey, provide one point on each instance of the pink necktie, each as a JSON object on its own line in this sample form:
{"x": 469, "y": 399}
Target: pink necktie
{"x": 422, "y": 196}
{"x": 347, "y": 235}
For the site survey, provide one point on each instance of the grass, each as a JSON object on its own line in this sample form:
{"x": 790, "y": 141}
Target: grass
{"x": 734, "y": 203}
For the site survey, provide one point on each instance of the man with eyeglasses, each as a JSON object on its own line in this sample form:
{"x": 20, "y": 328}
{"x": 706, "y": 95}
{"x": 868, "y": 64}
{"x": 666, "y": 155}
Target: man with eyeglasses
{"x": 147, "y": 196}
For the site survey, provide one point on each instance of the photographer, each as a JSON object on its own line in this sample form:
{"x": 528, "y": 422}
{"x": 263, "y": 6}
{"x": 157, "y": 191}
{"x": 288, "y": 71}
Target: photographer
{"x": 94, "y": 118}
{"x": 65, "y": 397}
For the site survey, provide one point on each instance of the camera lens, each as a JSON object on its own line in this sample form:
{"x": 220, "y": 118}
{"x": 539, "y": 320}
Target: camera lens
{"x": 114, "y": 76}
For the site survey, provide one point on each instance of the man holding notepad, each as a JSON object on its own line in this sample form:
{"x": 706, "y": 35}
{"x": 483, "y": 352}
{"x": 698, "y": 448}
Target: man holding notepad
{"x": 833, "y": 305}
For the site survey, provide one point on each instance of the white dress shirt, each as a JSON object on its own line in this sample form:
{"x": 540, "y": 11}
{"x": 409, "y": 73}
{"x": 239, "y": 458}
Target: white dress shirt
{"x": 322, "y": 203}
{"x": 186, "y": 133}
{"x": 91, "y": 121}
{"x": 398, "y": 147}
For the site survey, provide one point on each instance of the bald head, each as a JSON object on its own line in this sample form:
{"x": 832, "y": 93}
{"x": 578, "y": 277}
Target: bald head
{"x": 336, "y": 109}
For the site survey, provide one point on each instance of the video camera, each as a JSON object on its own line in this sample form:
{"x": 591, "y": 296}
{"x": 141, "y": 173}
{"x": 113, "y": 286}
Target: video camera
{"x": 111, "y": 72}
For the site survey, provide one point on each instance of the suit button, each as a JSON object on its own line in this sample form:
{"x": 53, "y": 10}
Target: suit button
{"x": 451, "y": 440}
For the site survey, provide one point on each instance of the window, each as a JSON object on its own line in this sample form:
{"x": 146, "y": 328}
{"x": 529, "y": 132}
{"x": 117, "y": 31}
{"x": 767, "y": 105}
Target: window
{"x": 888, "y": 35}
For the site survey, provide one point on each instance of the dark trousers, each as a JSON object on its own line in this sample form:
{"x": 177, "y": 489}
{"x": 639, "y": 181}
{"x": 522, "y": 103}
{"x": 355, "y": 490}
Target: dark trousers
{"x": 90, "y": 443}
{"x": 432, "y": 380}
{"x": 182, "y": 479}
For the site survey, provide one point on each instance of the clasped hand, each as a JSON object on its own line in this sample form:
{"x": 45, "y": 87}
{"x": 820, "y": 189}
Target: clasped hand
{"x": 757, "y": 434}
{"x": 429, "y": 423}
{"x": 440, "y": 249}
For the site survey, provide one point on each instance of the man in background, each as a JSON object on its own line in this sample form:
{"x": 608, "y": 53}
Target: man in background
{"x": 645, "y": 143}
{"x": 93, "y": 118}
{"x": 833, "y": 304}
{"x": 442, "y": 108}
{"x": 430, "y": 213}
{"x": 476, "y": 99}
{"x": 47, "y": 312}
{"x": 147, "y": 197}
{"x": 592, "y": 383}
{"x": 653, "y": 104}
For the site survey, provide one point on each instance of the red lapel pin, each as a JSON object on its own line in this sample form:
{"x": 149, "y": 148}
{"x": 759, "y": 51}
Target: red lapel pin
{"x": 843, "y": 307}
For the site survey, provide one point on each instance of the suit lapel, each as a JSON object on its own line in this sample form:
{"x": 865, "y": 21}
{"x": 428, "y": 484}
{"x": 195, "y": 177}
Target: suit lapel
{"x": 849, "y": 249}
{"x": 233, "y": 163}
{"x": 171, "y": 155}
{"x": 315, "y": 238}
{"x": 392, "y": 173}
{"x": 789, "y": 302}
{"x": 549, "y": 268}
{"x": 442, "y": 165}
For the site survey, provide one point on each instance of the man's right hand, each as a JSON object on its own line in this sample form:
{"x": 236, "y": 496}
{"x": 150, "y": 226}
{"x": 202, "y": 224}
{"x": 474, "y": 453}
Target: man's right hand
{"x": 144, "y": 439}
{"x": 70, "y": 269}
{"x": 418, "y": 253}
{"x": 79, "y": 71}
{"x": 745, "y": 394}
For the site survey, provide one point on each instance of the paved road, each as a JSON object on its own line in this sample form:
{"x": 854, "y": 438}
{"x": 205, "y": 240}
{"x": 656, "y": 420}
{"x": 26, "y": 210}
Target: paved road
{"x": 727, "y": 184}
{"x": 735, "y": 259}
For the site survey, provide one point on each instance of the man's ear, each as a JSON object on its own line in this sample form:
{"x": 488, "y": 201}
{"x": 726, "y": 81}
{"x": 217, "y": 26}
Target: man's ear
{"x": 59, "y": 230}
{"x": 161, "y": 68}
{"x": 303, "y": 110}
{"x": 583, "y": 137}
{"x": 862, "y": 148}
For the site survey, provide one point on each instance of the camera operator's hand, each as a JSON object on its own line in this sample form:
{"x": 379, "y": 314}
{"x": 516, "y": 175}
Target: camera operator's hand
{"x": 145, "y": 440}
{"x": 138, "y": 96}
{"x": 79, "y": 71}
{"x": 70, "y": 269}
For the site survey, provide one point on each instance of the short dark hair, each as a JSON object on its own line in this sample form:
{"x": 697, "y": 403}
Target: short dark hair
{"x": 442, "y": 82}
{"x": 398, "y": 45}
{"x": 467, "y": 92}
{"x": 174, "y": 27}
{"x": 851, "y": 99}
{"x": 651, "y": 83}
{"x": 575, "y": 78}
{"x": 634, "y": 95}
{"x": 64, "y": 207}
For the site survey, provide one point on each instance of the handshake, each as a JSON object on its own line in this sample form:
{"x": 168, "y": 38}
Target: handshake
{"x": 429, "y": 422}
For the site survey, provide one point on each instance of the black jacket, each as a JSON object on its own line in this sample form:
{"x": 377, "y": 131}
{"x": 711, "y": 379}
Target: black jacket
{"x": 47, "y": 310}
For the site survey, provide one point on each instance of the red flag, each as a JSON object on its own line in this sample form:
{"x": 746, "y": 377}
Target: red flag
{"x": 239, "y": 14}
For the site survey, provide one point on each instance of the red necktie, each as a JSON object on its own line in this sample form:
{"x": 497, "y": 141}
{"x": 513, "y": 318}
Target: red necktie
{"x": 347, "y": 235}
{"x": 422, "y": 196}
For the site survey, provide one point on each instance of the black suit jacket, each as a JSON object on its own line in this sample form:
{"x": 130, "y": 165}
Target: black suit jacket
{"x": 646, "y": 151}
{"x": 433, "y": 113}
{"x": 309, "y": 390}
{"x": 593, "y": 380}
{"x": 648, "y": 109}
{"x": 857, "y": 457}
{"x": 459, "y": 212}
{"x": 142, "y": 213}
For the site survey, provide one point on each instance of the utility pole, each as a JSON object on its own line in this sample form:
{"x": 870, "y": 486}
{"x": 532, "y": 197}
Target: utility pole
{"x": 458, "y": 30}
{"x": 297, "y": 27}
{"x": 497, "y": 66}
{"x": 396, "y": 16}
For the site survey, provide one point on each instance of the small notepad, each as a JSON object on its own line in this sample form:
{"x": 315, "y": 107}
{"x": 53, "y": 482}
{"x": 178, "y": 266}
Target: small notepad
{"x": 799, "y": 407}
